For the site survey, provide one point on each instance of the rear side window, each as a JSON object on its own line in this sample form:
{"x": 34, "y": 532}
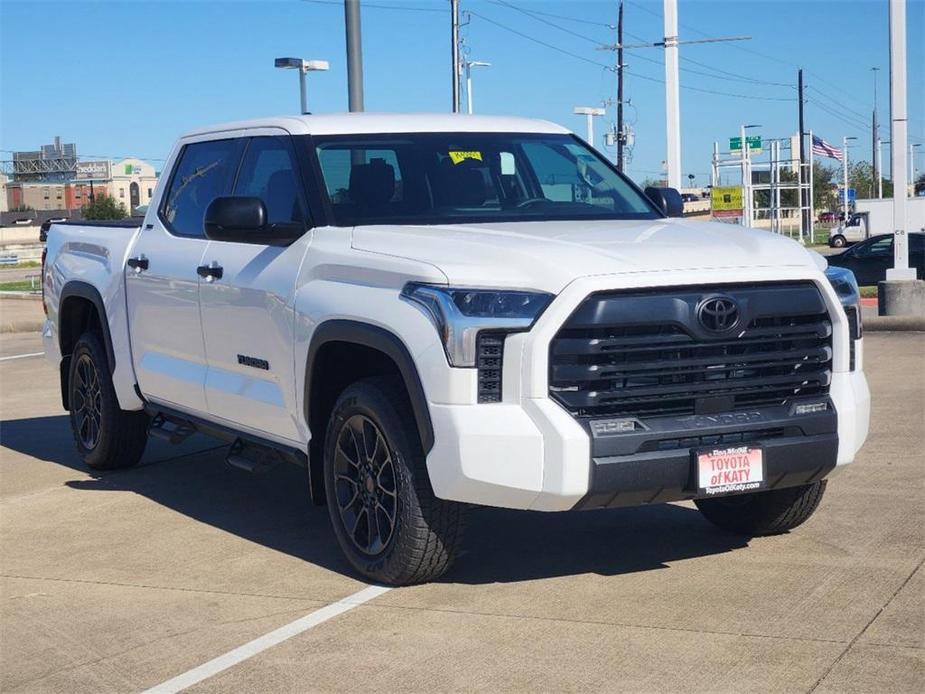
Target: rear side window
{"x": 268, "y": 172}
{"x": 202, "y": 174}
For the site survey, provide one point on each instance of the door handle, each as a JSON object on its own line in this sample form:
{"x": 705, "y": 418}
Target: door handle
{"x": 138, "y": 264}
{"x": 210, "y": 273}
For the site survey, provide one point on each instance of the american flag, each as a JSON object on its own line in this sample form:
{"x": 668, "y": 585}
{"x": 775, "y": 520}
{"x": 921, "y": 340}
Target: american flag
{"x": 824, "y": 149}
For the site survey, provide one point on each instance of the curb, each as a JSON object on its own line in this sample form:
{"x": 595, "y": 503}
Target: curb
{"x": 21, "y": 296}
{"x": 22, "y": 326}
{"x": 880, "y": 324}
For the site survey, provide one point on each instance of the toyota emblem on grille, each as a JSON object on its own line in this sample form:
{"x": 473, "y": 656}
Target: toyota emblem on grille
{"x": 718, "y": 313}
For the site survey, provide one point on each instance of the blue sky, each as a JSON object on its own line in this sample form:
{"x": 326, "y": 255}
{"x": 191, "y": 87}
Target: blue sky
{"x": 125, "y": 78}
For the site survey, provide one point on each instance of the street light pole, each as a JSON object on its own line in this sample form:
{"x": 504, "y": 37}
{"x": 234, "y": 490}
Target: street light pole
{"x": 844, "y": 163}
{"x": 469, "y": 64}
{"x": 590, "y": 112}
{"x": 746, "y": 175}
{"x": 912, "y": 146}
{"x": 877, "y": 164}
{"x": 304, "y": 67}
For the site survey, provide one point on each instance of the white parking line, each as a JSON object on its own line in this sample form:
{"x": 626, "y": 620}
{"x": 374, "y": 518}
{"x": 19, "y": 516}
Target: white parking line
{"x": 258, "y": 645}
{"x": 22, "y": 356}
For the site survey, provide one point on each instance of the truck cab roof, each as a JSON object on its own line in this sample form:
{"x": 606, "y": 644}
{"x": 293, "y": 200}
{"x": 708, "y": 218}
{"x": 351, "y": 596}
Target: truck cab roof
{"x": 365, "y": 123}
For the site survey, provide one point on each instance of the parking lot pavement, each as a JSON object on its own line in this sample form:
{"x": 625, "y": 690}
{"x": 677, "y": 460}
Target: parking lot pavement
{"x": 121, "y": 581}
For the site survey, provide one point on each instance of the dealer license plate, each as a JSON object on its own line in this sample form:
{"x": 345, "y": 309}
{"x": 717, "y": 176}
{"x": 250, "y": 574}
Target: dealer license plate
{"x": 730, "y": 470}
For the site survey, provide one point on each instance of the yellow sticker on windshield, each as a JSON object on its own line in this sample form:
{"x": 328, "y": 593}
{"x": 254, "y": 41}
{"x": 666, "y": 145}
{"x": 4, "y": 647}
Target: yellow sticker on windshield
{"x": 459, "y": 157}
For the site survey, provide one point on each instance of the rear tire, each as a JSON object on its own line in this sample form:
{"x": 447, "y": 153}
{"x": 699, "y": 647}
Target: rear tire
{"x": 763, "y": 513}
{"x": 387, "y": 521}
{"x": 107, "y": 437}
{"x": 838, "y": 241}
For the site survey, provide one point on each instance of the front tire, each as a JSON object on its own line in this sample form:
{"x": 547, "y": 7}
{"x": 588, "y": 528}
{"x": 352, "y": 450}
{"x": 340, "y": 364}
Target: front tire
{"x": 387, "y": 521}
{"x": 107, "y": 437}
{"x": 763, "y": 513}
{"x": 838, "y": 241}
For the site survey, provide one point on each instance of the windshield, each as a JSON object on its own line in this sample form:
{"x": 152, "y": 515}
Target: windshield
{"x": 446, "y": 178}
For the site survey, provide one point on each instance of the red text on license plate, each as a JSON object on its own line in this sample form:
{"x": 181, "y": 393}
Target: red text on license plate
{"x": 727, "y": 470}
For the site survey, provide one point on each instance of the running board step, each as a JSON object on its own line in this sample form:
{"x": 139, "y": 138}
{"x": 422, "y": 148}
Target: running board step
{"x": 252, "y": 457}
{"x": 171, "y": 431}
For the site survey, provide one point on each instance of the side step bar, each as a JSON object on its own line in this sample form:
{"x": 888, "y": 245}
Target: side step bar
{"x": 247, "y": 452}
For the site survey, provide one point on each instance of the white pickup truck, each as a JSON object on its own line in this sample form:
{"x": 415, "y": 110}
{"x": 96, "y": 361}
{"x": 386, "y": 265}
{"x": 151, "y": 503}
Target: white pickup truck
{"x": 432, "y": 311}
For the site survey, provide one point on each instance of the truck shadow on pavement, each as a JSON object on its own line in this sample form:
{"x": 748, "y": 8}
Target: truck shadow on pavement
{"x": 273, "y": 510}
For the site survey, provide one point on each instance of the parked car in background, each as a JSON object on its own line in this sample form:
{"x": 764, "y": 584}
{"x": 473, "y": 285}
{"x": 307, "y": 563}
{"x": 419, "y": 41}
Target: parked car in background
{"x": 870, "y": 259}
{"x": 689, "y": 197}
{"x": 828, "y": 217}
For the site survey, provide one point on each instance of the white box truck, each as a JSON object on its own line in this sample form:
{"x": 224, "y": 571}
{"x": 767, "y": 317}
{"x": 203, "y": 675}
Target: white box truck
{"x": 873, "y": 217}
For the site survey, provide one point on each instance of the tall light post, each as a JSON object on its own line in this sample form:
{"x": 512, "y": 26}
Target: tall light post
{"x": 746, "y": 174}
{"x": 880, "y": 167}
{"x": 469, "y": 64}
{"x": 844, "y": 164}
{"x": 590, "y": 112}
{"x": 875, "y": 130}
{"x": 912, "y": 169}
{"x": 304, "y": 67}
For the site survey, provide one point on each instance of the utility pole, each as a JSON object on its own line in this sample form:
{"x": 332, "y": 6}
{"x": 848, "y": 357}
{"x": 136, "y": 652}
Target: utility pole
{"x": 875, "y": 134}
{"x": 454, "y": 12}
{"x": 354, "y": 55}
{"x": 804, "y": 223}
{"x": 670, "y": 43}
{"x": 621, "y": 135}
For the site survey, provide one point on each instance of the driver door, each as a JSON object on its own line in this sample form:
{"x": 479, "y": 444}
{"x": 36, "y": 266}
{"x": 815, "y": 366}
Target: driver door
{"x": 248, "y": 320}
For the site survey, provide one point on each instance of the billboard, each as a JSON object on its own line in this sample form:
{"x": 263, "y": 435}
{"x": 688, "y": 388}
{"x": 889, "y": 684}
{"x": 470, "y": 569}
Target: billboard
{"x": 92, "y": 171}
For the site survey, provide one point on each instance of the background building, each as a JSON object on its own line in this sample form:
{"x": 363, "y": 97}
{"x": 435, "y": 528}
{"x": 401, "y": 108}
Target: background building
{"x": 132, "y": 182}
{"x": 53, "y": 178}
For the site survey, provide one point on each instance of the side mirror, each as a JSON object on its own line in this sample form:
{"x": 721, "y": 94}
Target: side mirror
{"x": 668, "y": 200}
{"x": 244, "y": 220}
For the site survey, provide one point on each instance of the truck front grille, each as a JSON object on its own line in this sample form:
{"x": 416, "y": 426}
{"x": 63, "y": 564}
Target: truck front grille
{"x": 645, "y": 353}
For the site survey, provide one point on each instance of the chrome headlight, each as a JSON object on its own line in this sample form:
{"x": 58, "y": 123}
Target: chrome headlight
{"x": 459, "y": 314}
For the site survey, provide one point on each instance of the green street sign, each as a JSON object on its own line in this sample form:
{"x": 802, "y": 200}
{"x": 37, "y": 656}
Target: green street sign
{"x": 754, "y": 144}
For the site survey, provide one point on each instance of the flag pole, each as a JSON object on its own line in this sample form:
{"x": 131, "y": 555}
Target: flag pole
{"x": 812, "y": 203}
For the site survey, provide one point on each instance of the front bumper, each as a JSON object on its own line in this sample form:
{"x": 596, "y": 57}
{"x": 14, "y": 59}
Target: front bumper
{"x": 529, "y": 453}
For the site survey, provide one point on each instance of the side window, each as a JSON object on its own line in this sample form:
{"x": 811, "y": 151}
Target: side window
{"x": 878, "y": 249}
{"x": 268, "y": 172}
{"x": 201, "y": 175}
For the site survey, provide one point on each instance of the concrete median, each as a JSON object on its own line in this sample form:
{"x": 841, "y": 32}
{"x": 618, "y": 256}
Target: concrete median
{"x": 21, "y": 313}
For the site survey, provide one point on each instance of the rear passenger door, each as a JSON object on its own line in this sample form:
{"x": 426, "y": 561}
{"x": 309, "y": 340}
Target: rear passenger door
{"x": 247, "y": 313}
{"x": 162, "y": 288}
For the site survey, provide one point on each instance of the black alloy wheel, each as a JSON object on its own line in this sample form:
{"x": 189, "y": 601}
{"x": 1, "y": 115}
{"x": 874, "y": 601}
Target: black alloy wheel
{"x": 88, "y": 402}
{"x": 366, "y": 493}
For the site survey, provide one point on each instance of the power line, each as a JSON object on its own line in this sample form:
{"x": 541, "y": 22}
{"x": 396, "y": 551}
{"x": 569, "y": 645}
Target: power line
{"x": 533, "y": 16}
{"x": 558, "y": 16}
{"x": 539, "y": 41}
{"x": 611, "y": 68}
{"x": 840, "y": 116}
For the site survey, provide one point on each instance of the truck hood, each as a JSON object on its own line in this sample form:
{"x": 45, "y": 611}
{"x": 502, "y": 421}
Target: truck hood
{"x": 549, "y": 255}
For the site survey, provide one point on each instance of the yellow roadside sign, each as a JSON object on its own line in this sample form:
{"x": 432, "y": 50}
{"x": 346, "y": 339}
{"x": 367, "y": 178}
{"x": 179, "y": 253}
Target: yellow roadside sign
{"x": 726, "y": 201}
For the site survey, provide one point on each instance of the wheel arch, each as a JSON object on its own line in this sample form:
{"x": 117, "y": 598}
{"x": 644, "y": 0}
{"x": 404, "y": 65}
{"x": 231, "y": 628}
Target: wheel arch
{"x": 381, "y": 350}
{"x": 80, "y": 308}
